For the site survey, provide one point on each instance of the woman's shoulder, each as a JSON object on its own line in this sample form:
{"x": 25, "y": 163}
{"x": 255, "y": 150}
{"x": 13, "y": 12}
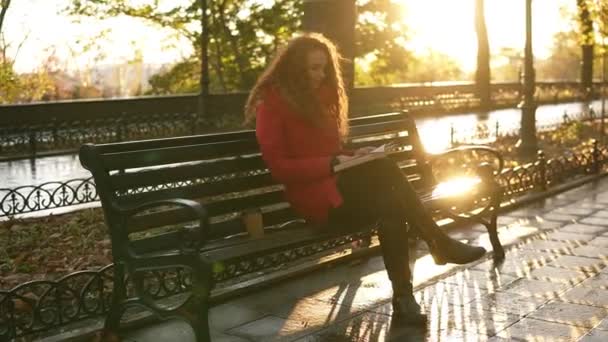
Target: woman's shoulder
{"x": 271, "y": 95}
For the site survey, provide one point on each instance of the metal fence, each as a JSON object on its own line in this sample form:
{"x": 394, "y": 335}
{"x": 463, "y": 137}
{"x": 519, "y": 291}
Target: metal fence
{"x": 40, "y": 306}
{"x": 29, "y": 130}
{"x": 62, "y": 194}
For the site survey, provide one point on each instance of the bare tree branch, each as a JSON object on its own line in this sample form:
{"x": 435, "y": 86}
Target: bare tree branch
{"x": 20, "y": 45}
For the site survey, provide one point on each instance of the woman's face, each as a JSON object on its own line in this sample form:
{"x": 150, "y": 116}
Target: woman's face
{"x": 315, "y": 67}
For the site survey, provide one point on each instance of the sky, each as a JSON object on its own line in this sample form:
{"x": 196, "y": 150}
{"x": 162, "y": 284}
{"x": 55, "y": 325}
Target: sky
{"x": 443, "y": 25}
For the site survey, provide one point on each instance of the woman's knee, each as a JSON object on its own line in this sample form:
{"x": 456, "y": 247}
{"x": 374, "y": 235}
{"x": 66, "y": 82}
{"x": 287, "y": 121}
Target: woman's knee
{"x": 387, "y": 167}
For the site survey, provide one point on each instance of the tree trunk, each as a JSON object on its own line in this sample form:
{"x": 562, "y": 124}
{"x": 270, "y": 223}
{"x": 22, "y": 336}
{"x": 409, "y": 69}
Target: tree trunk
{"x": 5, "y": 4}
{"x": 336, "y": 20}
{"x": 482, "y": 75}
{"x": 587, "y": 39}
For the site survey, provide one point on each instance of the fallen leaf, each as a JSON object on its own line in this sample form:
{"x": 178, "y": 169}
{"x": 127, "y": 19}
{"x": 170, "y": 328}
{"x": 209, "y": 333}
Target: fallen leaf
{"x": 22, "y": 306}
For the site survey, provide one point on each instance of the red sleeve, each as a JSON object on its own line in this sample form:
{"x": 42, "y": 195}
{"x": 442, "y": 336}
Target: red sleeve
{"x": 285, "y": 169}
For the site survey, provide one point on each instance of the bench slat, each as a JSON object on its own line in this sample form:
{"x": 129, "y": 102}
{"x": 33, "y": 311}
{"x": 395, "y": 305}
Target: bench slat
{"x": 131, "y": 180}
{"x": 202, "y": 190}
{"x": 178, "y": 154}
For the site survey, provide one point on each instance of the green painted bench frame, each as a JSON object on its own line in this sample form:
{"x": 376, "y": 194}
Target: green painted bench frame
{"x": 201, "y": 183}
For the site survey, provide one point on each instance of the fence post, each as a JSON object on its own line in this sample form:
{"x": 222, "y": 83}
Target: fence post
{"x": 451, "y": 134}
{"x": 120, "y": 123}
{"x": 32, "y": 142}
{"x": 596, "y": 157}
{"x": 542, "y": 169}
{"x": 497, "y": 127}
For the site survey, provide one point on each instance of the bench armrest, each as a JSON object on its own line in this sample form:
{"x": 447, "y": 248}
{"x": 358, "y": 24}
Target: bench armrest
{"x": 191, "y": 236}
{"x": 469, "y": 148}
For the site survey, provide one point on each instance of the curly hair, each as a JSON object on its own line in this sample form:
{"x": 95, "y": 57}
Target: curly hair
{"x": 288, "y": 74}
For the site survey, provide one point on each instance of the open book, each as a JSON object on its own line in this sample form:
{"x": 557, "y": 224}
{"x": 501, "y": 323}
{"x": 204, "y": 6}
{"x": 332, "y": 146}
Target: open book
{"x": 378, "y": 152}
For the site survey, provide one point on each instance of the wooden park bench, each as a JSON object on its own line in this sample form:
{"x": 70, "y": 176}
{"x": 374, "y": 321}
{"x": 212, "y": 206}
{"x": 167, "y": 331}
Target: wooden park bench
{"x": 177, "y": 202}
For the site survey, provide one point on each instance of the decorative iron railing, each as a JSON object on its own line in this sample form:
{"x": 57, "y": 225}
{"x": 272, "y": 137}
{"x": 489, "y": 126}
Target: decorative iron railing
{"x": 60, "y": 194}
{"x": 50, "y": 195}
{"x": 40, "y": 306}
{"x": 28, "y": 130}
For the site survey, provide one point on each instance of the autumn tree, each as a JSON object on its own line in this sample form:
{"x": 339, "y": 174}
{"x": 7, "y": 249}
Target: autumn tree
{"x": 587, "y": 39}
{"x": 482, "y": 74}
{"x": 13, "y": 86}
{"x": 243, "y": 35}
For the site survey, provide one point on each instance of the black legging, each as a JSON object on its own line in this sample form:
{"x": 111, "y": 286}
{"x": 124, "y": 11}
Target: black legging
{"x": 378, "y": 192}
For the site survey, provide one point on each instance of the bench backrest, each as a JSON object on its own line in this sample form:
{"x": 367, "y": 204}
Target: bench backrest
{"x": 223, "y": 171}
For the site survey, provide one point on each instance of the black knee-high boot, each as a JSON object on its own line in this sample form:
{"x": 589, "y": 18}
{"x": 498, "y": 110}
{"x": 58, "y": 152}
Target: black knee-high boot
{"x": 395, "y": 251}
{"x": 443, "y": 248}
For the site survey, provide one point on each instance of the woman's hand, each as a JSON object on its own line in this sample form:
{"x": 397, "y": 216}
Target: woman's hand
{"x": 364, "y": 150}
{"x": 344, "y": 158}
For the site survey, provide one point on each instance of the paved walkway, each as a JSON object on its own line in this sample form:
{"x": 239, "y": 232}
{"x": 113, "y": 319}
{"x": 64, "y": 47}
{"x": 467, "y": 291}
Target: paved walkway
{"x": 553, "y": 286}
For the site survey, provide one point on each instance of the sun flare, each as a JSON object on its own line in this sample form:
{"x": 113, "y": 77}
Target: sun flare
{"x": 447, "y": 26}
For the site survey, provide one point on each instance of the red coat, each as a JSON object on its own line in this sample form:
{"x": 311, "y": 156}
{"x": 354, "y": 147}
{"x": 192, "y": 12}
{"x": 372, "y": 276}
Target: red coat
{"x": 298, "y": 155}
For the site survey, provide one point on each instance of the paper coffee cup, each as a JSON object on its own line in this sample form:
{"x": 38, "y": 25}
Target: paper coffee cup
{"x": 252, "y": 220}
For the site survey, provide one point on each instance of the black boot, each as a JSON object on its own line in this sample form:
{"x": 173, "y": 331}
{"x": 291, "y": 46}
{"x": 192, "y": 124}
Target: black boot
{"x": 444, "y": 249}
{"x": 407, "y": 311}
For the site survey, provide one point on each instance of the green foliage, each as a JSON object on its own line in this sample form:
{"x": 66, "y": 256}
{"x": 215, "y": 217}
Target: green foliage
{"x": 181, "y": 78}
{"x": 564, "y": 61}
{"x": 381, "y": 32}
{"x": 243, "y": 35}
{"x": 16, "y": 88}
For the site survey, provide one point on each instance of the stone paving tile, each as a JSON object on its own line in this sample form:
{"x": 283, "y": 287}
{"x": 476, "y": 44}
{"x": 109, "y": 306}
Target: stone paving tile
{"x": 559, "y": 275}
{"x": 506, "y": 220}
{"x": 528, "y": 212}
{"x": 345, "y": 280}
{"x": 569, "y": 313}
{"x": 582, "y": 228}
{"x": 317, "y": 313}
{"x": 226, "y": 316}
{"x": 507, "y": 235}
{"x": 529, "y": 329}
{"x": 173, "y": 330}
{"x": 595, "y": 221}
{"x": 368, "y": 326}
{"x": 479, "y": 321}
{"x": 578, "y": 263}
{"x": 574, "y": 210}
{"x": 272, "y": 328}
{"x": 543, "y": 224}
{"x": 600, "y": 242}
{"x": 595, "y": 336}
{"x": 442, "y": 294}
{"x": 560, "y": 217}
{"x": 562, "y": 247}
{"x": 536, "y": 288}
{"x": 591, "y": 252}
{"x": 357, "y": 295}
{"x": 603, "y": 325}
{"x": 219, "y": 337}
{"x": 374, "y": 327}
{"x": 510, "y": 266}
{"x": 565, "y": 236}
{"x": 597, "y": 281}
{"x": 510, "y": 303}
{"x": 586, "y": 295}
{"x": 591, "y": 205}
{"x": 532, "y": 258}
{"x": 490, "y": 281}
{"x": 601, "y": 213}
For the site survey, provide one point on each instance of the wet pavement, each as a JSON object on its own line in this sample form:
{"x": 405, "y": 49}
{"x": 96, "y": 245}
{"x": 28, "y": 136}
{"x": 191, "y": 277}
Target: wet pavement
{"x": 552, "y": 286}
